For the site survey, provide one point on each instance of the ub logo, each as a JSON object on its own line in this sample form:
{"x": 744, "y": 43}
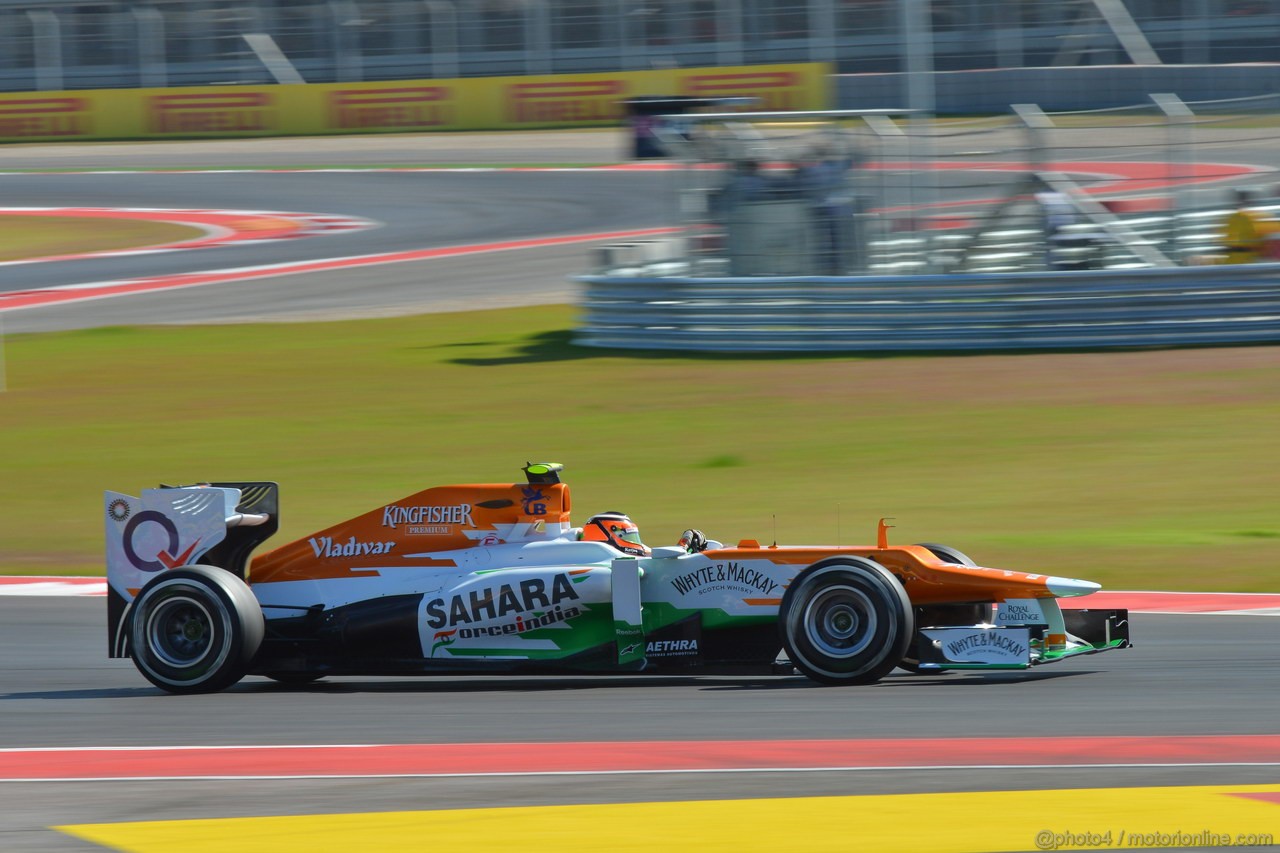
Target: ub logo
{"x": 535, "y": 503}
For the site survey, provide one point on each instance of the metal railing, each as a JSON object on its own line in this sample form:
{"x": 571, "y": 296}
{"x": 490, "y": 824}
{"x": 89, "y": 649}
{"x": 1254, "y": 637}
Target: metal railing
{"x": 974, "y": 312}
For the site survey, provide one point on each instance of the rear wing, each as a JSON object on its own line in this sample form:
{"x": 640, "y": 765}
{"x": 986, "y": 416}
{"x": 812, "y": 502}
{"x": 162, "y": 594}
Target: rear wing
{"x": 215, "y": 524}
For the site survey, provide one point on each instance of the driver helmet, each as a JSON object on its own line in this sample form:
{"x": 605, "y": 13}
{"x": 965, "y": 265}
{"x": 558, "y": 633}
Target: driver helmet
{"x": 616, "y": 529}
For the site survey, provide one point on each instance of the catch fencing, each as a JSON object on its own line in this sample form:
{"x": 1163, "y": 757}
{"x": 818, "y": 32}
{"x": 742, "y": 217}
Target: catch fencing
{"x": 51, "y": 45}
{"x": 942, "y": 239}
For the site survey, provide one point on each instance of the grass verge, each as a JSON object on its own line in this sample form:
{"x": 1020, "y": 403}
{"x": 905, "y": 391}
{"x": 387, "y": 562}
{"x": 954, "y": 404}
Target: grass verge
{"x": 23, "y": 237}
{"x": 1139, "y": 470}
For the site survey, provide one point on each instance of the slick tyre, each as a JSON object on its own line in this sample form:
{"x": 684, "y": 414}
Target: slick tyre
{"x": 195, "y": 629}
{"x": 941, "y": 615}
{"x": 845, "y": 621}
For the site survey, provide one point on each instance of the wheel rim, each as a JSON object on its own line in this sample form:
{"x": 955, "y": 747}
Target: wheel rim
{"x": 840, "y": 621}
{"x": 180, "y": 631}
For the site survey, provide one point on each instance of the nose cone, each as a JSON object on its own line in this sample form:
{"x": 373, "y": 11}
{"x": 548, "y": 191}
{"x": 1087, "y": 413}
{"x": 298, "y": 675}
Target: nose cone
{"x": 1069, "y": 587}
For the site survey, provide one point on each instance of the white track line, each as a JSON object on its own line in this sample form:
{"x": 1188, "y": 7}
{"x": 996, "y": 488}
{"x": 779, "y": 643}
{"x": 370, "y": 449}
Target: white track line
{"x": 929, "y": 768}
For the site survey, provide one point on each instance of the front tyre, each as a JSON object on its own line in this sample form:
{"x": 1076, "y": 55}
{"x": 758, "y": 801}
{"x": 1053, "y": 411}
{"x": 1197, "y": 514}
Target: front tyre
{"x": 947, "y": 554}
{"x": 845, "y": 621}
{"x": 195, "y": 629}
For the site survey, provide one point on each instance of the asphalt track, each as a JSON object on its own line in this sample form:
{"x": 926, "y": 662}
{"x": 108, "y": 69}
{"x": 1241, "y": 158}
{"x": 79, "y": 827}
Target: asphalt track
{"x": 1130, "y": 714}
{"x": 463, "y": 208}
{"x": 418, "y": 210}
{"x": 1189, "y": 676}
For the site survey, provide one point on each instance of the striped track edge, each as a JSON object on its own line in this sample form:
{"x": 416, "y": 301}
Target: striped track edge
{"x": 520, "y": 759}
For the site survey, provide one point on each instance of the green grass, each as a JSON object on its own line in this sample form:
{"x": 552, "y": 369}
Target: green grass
{"x": 265, "y": 167}
{"x": 45, "y": 236}
{"x": 1139, "y": 470}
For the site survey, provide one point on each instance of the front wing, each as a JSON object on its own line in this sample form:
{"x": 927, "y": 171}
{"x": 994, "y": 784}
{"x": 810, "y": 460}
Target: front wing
{"x": 1058, "y": 634}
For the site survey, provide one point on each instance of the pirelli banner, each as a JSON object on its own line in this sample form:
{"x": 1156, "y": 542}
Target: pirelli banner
{"x": 482, "y": 103}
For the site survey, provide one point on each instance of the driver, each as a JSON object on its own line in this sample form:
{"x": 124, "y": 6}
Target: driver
{"x": 694, "y": 542}
{"x": 618, "y": 530}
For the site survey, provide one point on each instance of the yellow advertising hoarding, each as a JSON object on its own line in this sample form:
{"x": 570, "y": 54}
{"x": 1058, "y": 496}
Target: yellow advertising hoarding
{"x": 480, "y": 103}
{"x": 48, "y": 117}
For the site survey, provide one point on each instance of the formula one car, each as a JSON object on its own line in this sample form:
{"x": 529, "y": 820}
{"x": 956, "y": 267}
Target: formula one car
{"x": 493, "y": 578}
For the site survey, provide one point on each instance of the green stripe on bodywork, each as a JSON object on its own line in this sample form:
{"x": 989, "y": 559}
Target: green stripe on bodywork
{"x": 596, "y": 626}
{"x": 630, "y": 642}
{"x": 1051, "y": 656}
{"x": 659, "y": 614}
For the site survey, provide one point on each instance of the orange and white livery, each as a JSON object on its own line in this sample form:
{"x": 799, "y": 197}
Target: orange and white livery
{"x": 496, "y": 578}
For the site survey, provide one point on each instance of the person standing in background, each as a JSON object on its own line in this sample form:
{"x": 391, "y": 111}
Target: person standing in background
{"x": 1246, "y": 230}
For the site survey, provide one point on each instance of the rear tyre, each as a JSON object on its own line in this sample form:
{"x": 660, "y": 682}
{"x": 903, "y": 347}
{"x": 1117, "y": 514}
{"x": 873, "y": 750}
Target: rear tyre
{"x": 941, "y": 615}
{"x": 845, "y": 621}
{"x": 195, "y": 629}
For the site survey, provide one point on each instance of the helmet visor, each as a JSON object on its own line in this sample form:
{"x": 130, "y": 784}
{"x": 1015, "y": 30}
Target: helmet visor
{"x": 628, "y": 534}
